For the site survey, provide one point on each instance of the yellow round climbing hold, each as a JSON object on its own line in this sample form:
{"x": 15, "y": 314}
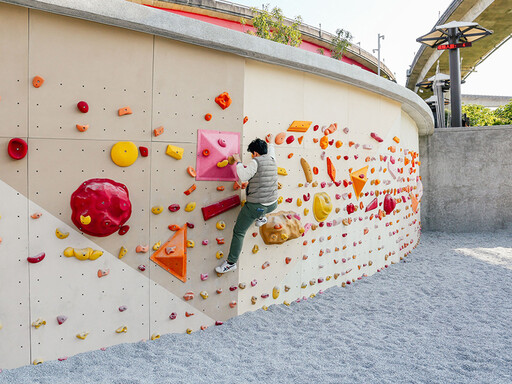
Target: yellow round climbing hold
{"x": 85, "y": 220}
{"x": 219, "y": 255}
{"x": 322, "y": 206}
{"x": 220, "y": 225}
{"x": 275, "y": 292}
{"x": 157, "y": 209}
{"x": 124, "y": 153}
{"x": 189, "y": 331}
{"x": 190, "y": 206}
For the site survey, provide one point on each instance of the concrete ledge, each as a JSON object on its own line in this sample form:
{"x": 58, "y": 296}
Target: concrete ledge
{"x": 132, "y": 16}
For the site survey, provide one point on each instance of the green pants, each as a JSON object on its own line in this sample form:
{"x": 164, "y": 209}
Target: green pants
{"x": 247, "y": 215}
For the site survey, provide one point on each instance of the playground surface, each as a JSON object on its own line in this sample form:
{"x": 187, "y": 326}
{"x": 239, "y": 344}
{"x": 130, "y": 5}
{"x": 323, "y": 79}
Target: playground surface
{"x": 442, "y": 316}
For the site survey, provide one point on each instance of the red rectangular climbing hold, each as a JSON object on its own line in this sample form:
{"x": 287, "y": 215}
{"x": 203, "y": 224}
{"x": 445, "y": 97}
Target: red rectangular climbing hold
{"x": 219, "y": 207}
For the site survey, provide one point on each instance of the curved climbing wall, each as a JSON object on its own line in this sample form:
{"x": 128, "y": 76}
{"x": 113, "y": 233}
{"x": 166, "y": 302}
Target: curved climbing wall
{"x": 139, "y": 134}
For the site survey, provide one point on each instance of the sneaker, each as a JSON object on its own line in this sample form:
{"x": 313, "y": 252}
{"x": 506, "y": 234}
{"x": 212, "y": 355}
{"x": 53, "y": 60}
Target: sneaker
{"x": 261, "y": 221}
{"x": 225, "y": 267}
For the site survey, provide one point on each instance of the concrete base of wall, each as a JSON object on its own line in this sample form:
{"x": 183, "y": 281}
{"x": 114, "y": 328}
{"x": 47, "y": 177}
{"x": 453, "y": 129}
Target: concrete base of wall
{"x": 466, "y": 174}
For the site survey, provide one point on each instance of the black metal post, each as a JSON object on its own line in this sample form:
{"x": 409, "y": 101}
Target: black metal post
{"x": 455, "y": 96}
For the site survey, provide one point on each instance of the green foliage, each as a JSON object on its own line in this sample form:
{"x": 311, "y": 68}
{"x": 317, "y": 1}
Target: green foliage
{"x": 340, "y": 42}
{"x": 271, "y": 25}
{"x": 481, "y": 116}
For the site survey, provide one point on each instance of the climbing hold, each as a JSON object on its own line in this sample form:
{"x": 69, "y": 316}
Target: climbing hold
{"x": 36, "y": 259}
{"x": 82, "y": 335}
{"x": 331, "y": 170}
{"x": 157, "y": 246}
{"x": 204, "y": 276}
{"x": 61, "y": 234}
{"x": 174, "y": 151}
{"x": 158, "y": 131}
{"x": 174, "y": 207}
{"x": 275, "y": 292}
{"x": 190, "y": 206}
{"x": 190, "y": 190}
{"x": 223, "y": 163}
{"x": 281, "y": 171}
{"x": 206, "y": 152}
{"x": 191, "y": 171}
{"x": 122, "y": 329}
{"x": 17, "y": 148}
{"x": 222, "y": 142}
{"x": 246, "y": 119}
{"x": 37, "y": 81}
{"x": 219, "y": 207}
{"x": 338, "y": 144}
{"x": 103, "y": 272}
{"x": 219, "y": 255}
{"x": 82, "y": 106}
{"x": 324, "y": 142}
{"x": 38, "y": 361}
{"x": 155, "y": 336}
{"x": 220, "y": 188}
{"x": 142, "y": 248}
{"x": 173, "y": 316}
{"x": 203, "y": 294}
{"x": 307, "y": 170}
{"x": 220, "y": 225}
{"x": 208, "y": 116}
{"x": 290, "y": 139}
{"x": 359, "y": 180}
{"x": 223, "y": 100}
{"x": 172, "y": 256}
{"x": 124, "y": 111}
{"x": 396, "y": 139}
{"x": 232, "y": 304}
{"x": 85, "y": 220}
{"x": 288, "y": 260}
{"x": 39, "y": 322}
{"x": 389, "y": 204}
{"x": 299, "y": 202}
{"x": 300, "y": 139}
{"x": 191, "y": 244}
{"x": 265, "y": 265}
{"x": 61, "y": 319}
{"x": 124, "y": 153}
{"x": 299, "y": 126}
{"x": 188, "y": 296}
{"x": 280, "y": 227}
{"x": 82, "y": 128}
{"x": 122, "y": 252}
{"x": 82, "y": 254}
{"x": 205, "y": 242}
{"x": 372, "y": 205}
{"x": 144, "y": 152}
{"x": 376, "y": 137}
{"x": 255, "y": 249}
{"x": 322, "y": 206}
{"x": 280, "y": 137}
{"x": 414, "y": 202}
{"x": 157, "y": 209}
{"x": 220, "y": 240}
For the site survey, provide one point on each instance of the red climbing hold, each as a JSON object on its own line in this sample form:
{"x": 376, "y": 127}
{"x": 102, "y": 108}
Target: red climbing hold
{"x": 83, "y": 106}
{"x": 100, "y": 207}
{"x": 17, "y": 148}
{"x": 144, "y": 152}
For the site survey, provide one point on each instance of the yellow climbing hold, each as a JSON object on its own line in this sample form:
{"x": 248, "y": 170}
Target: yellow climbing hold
{"x": 223, "y": 163}
{"x": 275, "y": 292}
{"x": 220, "y": 225}
{"x": 60, "y": 234}
{"x": 157, "y": 209}
{"x": 85, "y": 220}
{"x": 203, "y": 294}
{"x": 219, "y": 255}
{"x": 299, "y": 202}
{"x": 190, "y": 206}
{"x": 191, "y": 244}
{"x": 82, "y": 335}
{"x": 189, "y": 331}
{"x": 156, "y": 246}
{"x": 175, "y": 151}
{"x": 155, "y": 336}
{"x": 279, "y": 199}
{"x": 38, "y": 361}
{"x": 122, "y": 252}
{"x": 255, "y": 249}
{"x": 37, "y": 323}
{"x": 322, "y": 206}
{"x": 83, "y": 253}
{"x": 122, "y": 329}
{"x": 281, "y": 171}
{"x": 124, "y": 153}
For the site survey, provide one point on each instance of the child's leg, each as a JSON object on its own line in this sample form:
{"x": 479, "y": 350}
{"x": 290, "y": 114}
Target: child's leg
{"x": 244, "y": 220}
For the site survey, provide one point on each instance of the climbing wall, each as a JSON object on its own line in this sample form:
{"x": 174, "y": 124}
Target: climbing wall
{"x": 113, "y": 221}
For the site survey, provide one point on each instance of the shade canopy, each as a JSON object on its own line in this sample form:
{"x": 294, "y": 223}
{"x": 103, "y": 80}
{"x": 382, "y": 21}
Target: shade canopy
{"x": 465, "y": 31}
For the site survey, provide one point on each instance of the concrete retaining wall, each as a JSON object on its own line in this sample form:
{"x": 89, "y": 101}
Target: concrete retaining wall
{"x": 466, "y": 174}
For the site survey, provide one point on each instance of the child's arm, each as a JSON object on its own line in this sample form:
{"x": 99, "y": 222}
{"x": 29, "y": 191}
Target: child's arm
{"x": 245, "y": 173}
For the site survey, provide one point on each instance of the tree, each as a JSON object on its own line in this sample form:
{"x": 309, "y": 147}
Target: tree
{"x": 481, "y": 116}
{"x": 504, "y": 114}
{"x": 340, "y": 42}
{"x": 271, "y": 25}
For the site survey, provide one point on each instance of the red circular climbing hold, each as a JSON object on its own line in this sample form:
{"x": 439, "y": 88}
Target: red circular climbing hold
{"x": 100, "y": 207}
{"x": 208, "y": 116}
{"x": 17, "y": 148}
{"x": 83, "y": 106}
{"x": 206, "y": 152}
{"x": 123, "y": 230}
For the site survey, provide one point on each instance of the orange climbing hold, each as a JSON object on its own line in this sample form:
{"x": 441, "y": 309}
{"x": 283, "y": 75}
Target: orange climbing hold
{"x": 158, "y": 131}
{"x": 331, "y": 170}
{"x": 82, "y": 128}
{"x": 191, "y": 171}
{"x": 339, "y": 144}
{"x": 324, "y": 142}
{"x": 223, "y": 100}
{"x": 208, "y": 116}
{"x": 359, "y": 180}
{"x": 37, "y": 81}
{"x": 300, "y": 139}
{"x": 246, "y": 119}
{"x": 172, "y": 255}
{"x": 396, "y": 139}
{"x": 124, "y": 111}
{"x": 414, "y": 202}
{"x": 299, "y": 126}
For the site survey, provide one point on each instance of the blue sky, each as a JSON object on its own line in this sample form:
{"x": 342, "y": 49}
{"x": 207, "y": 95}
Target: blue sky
{"x": 401, "y": 22}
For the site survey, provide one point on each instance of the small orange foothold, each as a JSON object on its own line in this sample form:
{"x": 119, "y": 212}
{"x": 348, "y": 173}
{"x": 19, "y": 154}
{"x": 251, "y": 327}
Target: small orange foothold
{"x": 315, "y": 170}
{"x": 191, "y": 171}
{"x": 290, "y": 155}
{"x": 37, "y": 81}
{"x": 300, "y": 139}
{"x": 236, "y": 186}
{"x": 190, "y": 190}
{"x": 158, "y": 131}
{"x": 220, "y": 188}
{"x": 206, "y": 152}
{"x": 208, "y": 116}
{"x": 82, "y": 128}
{"x": 246, "y": 119}
{"x": 396, "y": 139}
{"x": 338, "y": 144}
{"x": 324, "y": 142}
{"x": 124, "y": 111}
{"x": 338, "y": 157}
{"x": 350, "y": 143}
{"x": 315, "y": 140}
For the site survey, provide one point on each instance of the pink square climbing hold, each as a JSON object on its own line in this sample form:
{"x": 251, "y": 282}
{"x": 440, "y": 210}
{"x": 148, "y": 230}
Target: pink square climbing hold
{"x": 213, "y": 147}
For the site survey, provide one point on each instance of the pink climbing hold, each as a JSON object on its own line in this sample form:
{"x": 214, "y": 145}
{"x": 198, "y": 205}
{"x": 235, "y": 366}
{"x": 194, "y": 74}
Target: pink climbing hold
{"x": 389, "y": 204}
{"x": 372, "y": 205}
{"x": 36, "y": 259}
{"x": 376, "y": 137}
{"x": 104, "y": 202}
{"x": 61, "y": 319}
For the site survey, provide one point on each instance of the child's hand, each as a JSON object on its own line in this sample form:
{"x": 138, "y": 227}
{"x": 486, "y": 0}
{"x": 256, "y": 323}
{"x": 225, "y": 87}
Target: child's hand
{"x": 236, "y": 157}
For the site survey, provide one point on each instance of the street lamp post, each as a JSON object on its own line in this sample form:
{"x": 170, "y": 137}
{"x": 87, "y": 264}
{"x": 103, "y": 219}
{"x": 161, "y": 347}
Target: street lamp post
{"x": 455, "y": 92}
{"x": 378, "y": 53}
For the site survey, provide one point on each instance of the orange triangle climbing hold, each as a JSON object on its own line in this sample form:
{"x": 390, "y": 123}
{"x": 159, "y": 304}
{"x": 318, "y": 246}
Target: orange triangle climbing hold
{"x": 414, "y": 202}
{"x": 359, "y": 180}
{"x": 331, "y": 169}
{"x": 172, "y": 255}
